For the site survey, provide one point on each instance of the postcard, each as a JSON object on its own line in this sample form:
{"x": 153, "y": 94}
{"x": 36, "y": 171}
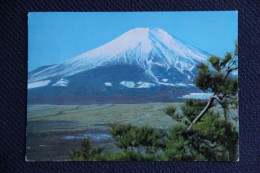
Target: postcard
{"x": 132, "y": 86}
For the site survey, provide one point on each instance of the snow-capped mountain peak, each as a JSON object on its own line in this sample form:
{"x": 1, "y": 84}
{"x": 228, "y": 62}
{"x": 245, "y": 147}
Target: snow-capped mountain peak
{"x": 151, "y": 49}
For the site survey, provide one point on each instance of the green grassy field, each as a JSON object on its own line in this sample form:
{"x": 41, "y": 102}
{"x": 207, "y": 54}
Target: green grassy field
{"x": 53, "y": 130}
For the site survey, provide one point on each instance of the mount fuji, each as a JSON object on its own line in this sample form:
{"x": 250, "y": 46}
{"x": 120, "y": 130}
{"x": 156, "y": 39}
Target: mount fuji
{"x": 142, "y": 65}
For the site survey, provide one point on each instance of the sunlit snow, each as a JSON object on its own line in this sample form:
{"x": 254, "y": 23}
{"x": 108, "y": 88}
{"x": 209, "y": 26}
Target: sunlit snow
{"x": 167, "y": 84}
{"x": 197, "y": 96}
{"x": 181, "y": 84}
{"x": 108, "y": 83}
{"x": 140, "y": 84}
{"x": 38, "y": 84}
{"x": 136, "y": 46}
{"x": 145, "y": 85}
{"x": 165, "y": 80}
{"x": 61, "y": 82}
{"x": 128, "y": 84}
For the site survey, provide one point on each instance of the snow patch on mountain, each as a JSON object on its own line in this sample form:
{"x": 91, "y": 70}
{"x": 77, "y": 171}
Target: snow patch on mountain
{"x": 197, "y": 96}
{"x": 108, "y": 84}
{"x": 181, "y": 84}
{"x": 165, "y": 80}
{"x": 38, "y": 84}
{"x": 128, "y": 84}
{"x": 140, "y": 84}
{"x": 144, "y": 85}
{"x": 62, "y": 82}
{"x": 166, "y": 84}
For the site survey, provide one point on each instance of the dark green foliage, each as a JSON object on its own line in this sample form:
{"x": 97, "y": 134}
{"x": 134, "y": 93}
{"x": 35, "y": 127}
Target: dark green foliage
{"x": 211, "y": 139}
{"x": 87, "y": 153}
{"x": 137, "y": 144}
{"x": 170, "y": 110}
{"x": 129, "y": 138}
{"x": 218, "y": 81}
{"x": 227, "y": 86}
{"x": 215, "y": 62}
{"x": 203, "y": 79}
{"x": 187, "y": 145}
{"x": 192, "y": 108}
{"x": 177, "y": 145}
{"x": 222, "y": 134}
{"x": 227, "y": 59}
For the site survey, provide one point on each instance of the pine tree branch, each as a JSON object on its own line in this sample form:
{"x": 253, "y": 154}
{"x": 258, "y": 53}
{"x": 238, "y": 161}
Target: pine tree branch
{"x": 203, "y": 112}
{"x": 185, "y": 118}
{"x": 232, "y": 65}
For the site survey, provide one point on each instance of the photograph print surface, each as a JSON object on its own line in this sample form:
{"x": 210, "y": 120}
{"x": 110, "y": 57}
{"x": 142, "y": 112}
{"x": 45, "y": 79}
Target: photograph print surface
{"x": 132, "y": 86}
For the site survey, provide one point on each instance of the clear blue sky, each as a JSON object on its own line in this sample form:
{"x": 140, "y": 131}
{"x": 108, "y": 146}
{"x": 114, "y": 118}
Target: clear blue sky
{"x": 57, "y": 36}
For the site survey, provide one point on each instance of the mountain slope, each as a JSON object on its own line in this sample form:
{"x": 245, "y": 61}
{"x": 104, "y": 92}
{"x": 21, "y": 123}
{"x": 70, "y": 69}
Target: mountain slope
{"x": 142, "y": 60}
{"x": 144, "y": 47}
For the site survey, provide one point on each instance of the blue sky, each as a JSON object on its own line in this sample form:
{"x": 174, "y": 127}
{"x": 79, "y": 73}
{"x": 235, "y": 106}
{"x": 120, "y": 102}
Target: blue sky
{"x": 57, "y": 36}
